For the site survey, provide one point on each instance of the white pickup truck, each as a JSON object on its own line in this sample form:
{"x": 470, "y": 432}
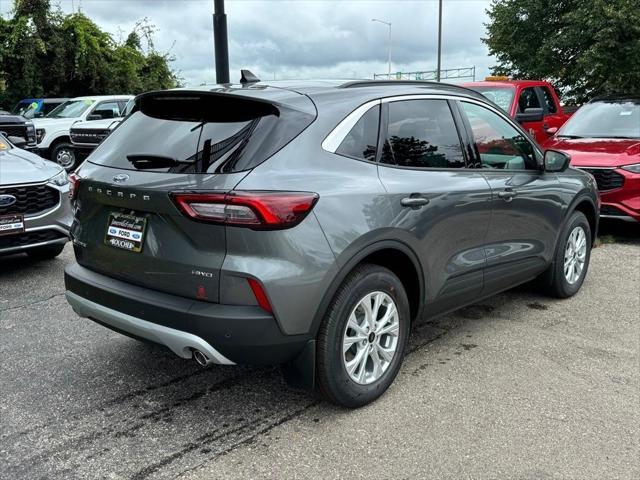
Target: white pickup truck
{"x": 52, "y": 131}
{"x": 86, "y": 136}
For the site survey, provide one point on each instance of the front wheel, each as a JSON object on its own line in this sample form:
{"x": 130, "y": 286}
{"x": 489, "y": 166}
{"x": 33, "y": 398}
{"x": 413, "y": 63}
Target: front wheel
{"x": 572, "y": 257}
{"x": 64, "y": 155}
{"x": 362, "y": 340}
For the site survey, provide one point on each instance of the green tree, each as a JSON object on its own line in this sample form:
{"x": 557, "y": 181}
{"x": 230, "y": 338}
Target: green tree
{"x": 44, "y": 52}
{"x": 586, "y": 47}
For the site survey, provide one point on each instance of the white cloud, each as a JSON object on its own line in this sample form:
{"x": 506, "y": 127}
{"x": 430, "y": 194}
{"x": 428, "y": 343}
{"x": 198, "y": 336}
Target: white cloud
{"x": 303, "y": 39}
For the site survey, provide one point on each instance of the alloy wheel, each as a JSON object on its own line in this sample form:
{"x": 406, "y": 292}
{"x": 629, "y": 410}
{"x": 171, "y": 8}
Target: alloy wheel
{"x": 575, "y": 255}
{"x": 370, "y": 338}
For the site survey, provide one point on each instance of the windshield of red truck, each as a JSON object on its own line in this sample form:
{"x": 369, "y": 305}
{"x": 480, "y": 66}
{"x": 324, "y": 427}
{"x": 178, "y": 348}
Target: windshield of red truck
{"x": 604, "y": 119}
{"x": 501, "y": 96}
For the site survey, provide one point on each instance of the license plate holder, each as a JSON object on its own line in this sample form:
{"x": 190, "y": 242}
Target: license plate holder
{"x": 11, "y": 224}
{"x": 125, "y": 231}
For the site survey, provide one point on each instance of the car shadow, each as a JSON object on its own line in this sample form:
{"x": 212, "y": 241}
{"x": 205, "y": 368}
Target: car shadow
{"x": 617, "y": 231}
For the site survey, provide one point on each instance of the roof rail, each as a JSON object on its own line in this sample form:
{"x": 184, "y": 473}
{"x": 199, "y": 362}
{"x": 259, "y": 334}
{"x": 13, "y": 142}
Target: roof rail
{"x": 369, "y": 83}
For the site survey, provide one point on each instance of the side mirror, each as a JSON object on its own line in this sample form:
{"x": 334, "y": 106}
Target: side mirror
{"x": 555, "y": 161}
{"x": 530, "y": 115}
{"x": 93, "y": 116}
{"x": 18, "y": 142}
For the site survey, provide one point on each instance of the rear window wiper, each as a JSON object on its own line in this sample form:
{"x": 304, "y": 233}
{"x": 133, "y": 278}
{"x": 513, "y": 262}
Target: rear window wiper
{"x": 569, "y": 136}
{"x": 150, "y": 162}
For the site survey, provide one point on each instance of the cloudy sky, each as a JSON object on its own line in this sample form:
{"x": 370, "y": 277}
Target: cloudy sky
{"x": 300, "y": 38}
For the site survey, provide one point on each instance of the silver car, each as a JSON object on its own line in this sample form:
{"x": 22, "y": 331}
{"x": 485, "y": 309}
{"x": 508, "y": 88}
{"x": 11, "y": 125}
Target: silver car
{"x": 35, "y": 212}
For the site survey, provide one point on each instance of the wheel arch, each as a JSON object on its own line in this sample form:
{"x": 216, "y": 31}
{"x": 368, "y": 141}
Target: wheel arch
{"x": 586, "y": 205}
{"x": 392, "y": 254}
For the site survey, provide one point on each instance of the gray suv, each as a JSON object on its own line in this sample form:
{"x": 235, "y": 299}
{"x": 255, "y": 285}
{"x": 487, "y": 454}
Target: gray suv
{"x": 309, "y": 224}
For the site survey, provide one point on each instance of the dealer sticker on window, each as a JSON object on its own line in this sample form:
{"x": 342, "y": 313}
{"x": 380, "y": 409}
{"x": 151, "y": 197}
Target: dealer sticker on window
{"x": 125, "y": 231}
{"x": 11, "y": 224}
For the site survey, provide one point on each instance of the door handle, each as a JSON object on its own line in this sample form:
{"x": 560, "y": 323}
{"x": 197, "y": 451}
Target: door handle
{"x": 414, "y": 202}
{"x": 507, "y": 195}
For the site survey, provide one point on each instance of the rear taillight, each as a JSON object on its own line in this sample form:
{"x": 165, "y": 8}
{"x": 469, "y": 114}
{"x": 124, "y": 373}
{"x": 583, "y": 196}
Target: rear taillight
{"x": 74, "y": 185}
{"x": 257, "y": 210}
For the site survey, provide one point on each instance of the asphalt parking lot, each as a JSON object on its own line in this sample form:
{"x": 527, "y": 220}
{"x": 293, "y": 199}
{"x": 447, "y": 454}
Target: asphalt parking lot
{"x": 519, "y": 386}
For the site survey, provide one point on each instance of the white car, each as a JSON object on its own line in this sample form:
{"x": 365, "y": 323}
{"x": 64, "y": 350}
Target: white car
{"x": 86, "y": 136}
{"x": 52, "y": 131}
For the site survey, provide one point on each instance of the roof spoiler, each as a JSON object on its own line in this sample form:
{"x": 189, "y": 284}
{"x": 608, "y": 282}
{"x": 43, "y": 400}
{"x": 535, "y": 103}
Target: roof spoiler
{"x": 203, "y": 106}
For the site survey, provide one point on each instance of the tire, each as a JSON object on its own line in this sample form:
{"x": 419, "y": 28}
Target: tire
{"x": 561, "y": 284}
{"x": 45, "y": 253}
{"x": 338, "y": 385}
{"x": 64, "y": 154}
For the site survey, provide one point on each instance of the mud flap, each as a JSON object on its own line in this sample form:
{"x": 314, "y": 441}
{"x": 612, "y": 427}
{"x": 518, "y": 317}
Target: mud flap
{"x": 301, "y": 371}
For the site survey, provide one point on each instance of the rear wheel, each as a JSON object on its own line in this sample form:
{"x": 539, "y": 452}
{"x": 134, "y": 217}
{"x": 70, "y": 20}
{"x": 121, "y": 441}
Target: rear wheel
{"x": 572, "y": 257}
{"x": 362, "y": 340}
{"x": 45, "y": 253}
{"x": 64, "y": 155}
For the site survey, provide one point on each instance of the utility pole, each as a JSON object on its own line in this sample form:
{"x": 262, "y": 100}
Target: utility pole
{"x": 388, "y": 24}
{"x": 439, "y": 40}
{"x": 220, "y": 42}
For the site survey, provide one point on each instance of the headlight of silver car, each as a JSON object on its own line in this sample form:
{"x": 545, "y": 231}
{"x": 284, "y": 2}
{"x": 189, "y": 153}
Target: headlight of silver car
{"x": 635, "y": 168}
{"x": 60, "y": 179}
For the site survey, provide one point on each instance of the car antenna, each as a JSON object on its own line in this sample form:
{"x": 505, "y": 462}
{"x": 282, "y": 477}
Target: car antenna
{"x": 247, "y": 77}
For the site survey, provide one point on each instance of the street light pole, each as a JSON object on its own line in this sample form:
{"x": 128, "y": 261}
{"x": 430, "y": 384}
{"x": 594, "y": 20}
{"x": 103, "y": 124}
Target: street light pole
{"x": 439, "y": 39}
{"x": 388, "y": 24}
{"x": 220, "y": 42}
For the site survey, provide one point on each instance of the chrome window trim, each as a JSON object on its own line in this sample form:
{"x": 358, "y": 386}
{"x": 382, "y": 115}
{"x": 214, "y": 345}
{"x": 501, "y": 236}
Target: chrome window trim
{"x": 333, "y": 140}
{"x": 340, "y": 131}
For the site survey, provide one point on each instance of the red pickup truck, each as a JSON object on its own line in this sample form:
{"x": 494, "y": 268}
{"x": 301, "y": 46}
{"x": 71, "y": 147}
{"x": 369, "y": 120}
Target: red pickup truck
{"x": 532, "y": 103}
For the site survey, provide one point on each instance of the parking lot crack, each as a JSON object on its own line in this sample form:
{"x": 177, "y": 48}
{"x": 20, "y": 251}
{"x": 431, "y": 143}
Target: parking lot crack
{"x": 35, "y": 302}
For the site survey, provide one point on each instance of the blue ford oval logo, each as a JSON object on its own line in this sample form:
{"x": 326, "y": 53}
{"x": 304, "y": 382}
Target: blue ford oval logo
{"x": 121, "y": 178}
{"x": 7, "y": 200}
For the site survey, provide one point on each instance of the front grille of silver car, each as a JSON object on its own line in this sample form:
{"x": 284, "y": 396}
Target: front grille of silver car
{"x": 30, "y": 199}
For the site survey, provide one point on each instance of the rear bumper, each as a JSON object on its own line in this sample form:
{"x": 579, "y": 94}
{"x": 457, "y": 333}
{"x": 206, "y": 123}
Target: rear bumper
{"x": 227, "y": 334}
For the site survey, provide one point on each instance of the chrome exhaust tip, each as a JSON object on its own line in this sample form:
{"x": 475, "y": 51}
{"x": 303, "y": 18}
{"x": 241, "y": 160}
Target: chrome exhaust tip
{"x": 200, "y": 357}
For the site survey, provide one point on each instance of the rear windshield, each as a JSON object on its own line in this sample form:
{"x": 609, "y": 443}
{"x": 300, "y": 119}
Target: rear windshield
{"x": 170, "y": 139}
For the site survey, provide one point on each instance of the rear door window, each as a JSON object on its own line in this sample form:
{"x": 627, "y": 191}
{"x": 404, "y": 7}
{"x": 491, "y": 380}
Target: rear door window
{"x": 361, "y": 142}
{"x": 422, "y": 134}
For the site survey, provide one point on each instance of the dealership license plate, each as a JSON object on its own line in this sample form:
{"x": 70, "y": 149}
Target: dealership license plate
{"x": 11, "y": 224}
{"x": 125, "y": 232}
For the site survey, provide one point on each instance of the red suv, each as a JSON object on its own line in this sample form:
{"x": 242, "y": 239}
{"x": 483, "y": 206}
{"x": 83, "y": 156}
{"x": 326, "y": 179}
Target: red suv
{"x": 603, "y": 138}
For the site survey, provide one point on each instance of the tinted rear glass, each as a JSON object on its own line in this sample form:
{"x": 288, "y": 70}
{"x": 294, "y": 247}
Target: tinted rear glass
{"x": 362, "y": 140}
{"x": 150, "y": 143}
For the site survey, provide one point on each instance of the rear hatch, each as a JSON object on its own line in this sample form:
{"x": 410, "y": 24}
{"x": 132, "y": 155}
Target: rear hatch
{"x": 127, "y": 225}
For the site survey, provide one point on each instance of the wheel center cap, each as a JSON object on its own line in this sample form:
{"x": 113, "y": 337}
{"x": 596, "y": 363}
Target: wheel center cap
{"x": 372, "y": 337}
